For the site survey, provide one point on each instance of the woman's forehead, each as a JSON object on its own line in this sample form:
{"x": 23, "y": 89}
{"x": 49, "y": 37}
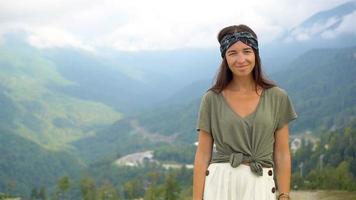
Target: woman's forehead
{"x": 239, "y": 46}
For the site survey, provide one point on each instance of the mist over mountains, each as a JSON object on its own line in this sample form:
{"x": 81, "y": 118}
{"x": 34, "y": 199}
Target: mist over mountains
{"x": 68, "y": 108}
{"x": 325, "y": 29}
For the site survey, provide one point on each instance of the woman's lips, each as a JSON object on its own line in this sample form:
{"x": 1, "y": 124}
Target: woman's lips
{"x": 241, "y": 66}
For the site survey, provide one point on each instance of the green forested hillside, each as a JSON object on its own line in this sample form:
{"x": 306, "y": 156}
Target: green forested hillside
{"x": 8, "y": 111}
{"x": 117, "y": 140}
{"x": 37, "y": 123}
{"x": 328, "y": 164}
{"x": 322, "y": 85}
{"x": 173, "y": 120}
{"x": 25, "y": 164}
{"x": 153, "y": 130}
{"x": 38, "y": 113}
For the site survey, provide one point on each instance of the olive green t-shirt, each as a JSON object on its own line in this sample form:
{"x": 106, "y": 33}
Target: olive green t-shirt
{"x": 249, "y": 138}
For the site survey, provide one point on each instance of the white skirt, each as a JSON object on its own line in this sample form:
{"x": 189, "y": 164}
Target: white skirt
{"x": 223, "y": 182}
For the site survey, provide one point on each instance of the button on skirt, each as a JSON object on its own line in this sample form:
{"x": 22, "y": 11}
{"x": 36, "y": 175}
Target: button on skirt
{"x": 223, "y": 182}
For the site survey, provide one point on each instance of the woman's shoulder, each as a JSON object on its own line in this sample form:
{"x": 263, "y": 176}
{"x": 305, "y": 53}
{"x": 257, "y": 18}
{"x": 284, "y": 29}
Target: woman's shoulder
{"x": 277, "y": 92}
{"x": 210, "y": 94}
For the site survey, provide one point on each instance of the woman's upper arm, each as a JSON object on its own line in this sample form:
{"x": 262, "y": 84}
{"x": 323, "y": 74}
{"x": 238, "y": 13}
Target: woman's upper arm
{"x": 205, "y": 144}
{"x": 281, "y": 144}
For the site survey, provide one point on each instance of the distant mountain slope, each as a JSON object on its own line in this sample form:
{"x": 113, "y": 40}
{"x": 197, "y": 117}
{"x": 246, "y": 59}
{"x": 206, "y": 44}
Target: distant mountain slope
{"x": 8, "y": 111}
{"x": 332, "y": 28}
{"x": 125, "y": 81}
{"x": 322, "y": 85}
{"x": 96, "y": 80}
{"x": 172, "y": 125}
{"x": 326, "y": 23}
{"x": 34, "y": 111}
{"x": 119, "y": 139}
{"x": 189, "y": 92}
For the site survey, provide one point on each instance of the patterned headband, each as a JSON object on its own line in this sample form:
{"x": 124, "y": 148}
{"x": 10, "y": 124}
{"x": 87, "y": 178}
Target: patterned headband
{"x": 230, "y": 39}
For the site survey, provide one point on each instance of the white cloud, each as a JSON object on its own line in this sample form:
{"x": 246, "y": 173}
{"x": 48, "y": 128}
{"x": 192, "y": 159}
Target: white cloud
{"x": 302, "y": 37}
{"x": 156, "y": 24}
{"x": 305, "y": 33}
{"x": 347, "y": 26}
{"x": 48, "y": 37}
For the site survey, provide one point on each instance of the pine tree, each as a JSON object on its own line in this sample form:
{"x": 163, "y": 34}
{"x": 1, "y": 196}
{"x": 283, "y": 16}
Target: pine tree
{"x": 34, "y": 194}
{"x": 88, "y": 188}
{"x": 42, "y": 194}
{"x": 171, "y": 187}
{"x": 107, "y": 192}
{"x": 153, "y": 192}
{"x": 63, "y": 186}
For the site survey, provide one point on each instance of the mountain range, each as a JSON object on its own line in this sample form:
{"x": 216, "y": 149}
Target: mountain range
{"x": 64, "y": 109}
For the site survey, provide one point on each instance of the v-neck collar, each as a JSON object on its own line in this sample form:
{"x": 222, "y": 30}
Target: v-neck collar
{"x": 237, "y": 114}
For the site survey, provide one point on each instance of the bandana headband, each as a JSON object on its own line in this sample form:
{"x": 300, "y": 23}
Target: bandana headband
{"x": 230, "y": 39}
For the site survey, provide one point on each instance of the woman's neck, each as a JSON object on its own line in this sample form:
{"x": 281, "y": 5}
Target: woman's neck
{"x": 242, "y": 84}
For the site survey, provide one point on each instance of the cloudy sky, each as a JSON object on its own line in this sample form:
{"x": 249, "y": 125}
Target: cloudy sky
{"x": 149, "y": 25}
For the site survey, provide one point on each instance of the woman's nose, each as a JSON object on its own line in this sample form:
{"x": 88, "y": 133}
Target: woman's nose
{"x": 240, "y": 58}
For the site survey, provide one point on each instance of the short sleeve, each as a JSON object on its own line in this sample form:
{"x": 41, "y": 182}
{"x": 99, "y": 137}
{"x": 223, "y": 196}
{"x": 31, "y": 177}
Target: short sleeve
{"x": 286, "y": 111}
{"x": 204, "y": 119}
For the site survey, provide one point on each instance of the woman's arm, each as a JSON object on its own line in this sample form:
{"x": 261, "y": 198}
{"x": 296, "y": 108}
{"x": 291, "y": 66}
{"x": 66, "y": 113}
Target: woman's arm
{"x": 282, "y": 160}
{"x": 201, "y": 163}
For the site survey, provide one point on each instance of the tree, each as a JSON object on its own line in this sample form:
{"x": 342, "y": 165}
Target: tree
{"x": 88, "y": 188}
{"x": 133, "y": 189}
{"x": 107, "y": 192}
{"x": 34, "y": 194}
{"x": 153, "y": 192}
{"x": 42, "y": 194}
{"x": 171, "y": 187}
{"x": 63, "y": 186}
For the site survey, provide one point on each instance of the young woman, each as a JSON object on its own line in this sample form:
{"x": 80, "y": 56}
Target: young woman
{"x": 243, "y": 127}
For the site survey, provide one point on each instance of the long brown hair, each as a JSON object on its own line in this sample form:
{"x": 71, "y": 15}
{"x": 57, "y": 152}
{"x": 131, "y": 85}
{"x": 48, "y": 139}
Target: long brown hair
{"x": 224, "y": 75}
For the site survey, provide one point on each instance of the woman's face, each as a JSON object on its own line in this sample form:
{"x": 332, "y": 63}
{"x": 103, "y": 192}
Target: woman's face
{"x": 240, "y": 59}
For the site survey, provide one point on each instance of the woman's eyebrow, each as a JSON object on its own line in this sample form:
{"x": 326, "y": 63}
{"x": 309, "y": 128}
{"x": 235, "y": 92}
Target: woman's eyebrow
{"x": 248, "y": 48}
{"x": 233, "y": 50}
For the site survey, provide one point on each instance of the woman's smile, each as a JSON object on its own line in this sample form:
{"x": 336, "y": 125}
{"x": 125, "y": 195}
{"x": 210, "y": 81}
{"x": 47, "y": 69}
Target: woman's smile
{"x": 241, "y": 66}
